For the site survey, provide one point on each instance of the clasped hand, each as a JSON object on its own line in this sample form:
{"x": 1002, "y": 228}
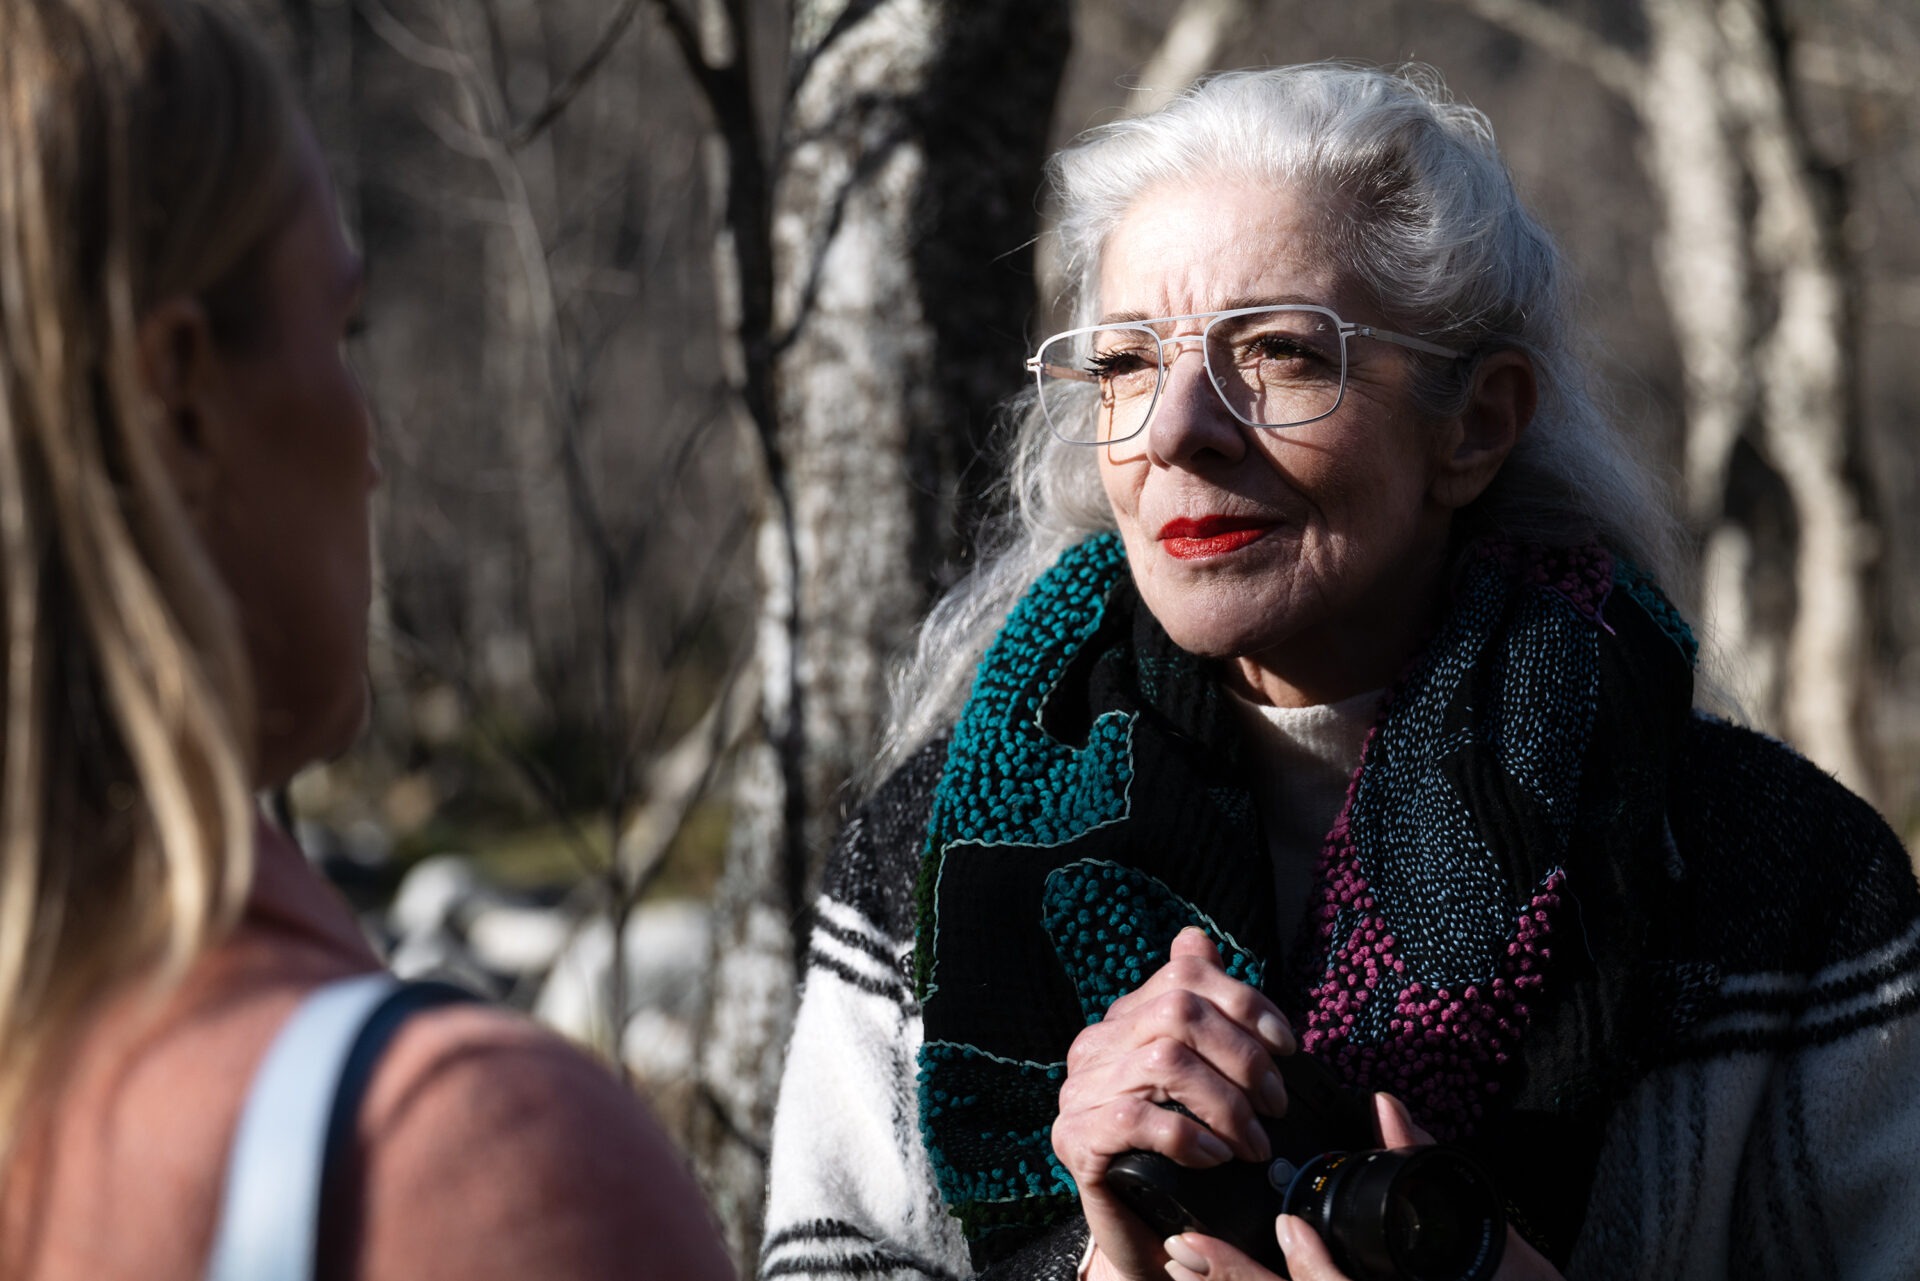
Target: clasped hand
{"x": 1193, "y": 1034}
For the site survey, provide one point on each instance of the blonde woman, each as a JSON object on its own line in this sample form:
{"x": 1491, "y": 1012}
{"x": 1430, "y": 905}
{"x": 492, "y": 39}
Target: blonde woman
{"x": 185, "y": 465}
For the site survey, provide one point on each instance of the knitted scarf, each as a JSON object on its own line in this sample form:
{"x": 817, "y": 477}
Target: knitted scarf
{"x": 1095, "y": 801}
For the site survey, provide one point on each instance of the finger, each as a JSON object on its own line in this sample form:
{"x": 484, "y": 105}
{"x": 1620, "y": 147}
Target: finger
{"x": 1087, "y": 1141}
{"x": 1240, "y": 1002}
{"x": 1117, "y": 1055}
{"x": 1225, "y": 1043}
{"x": 1395, "y": 1124}
{"x": 1169, "y": 1070}
{"x": 1307, "y": 1257}
{"x": 1196, "y": 943}
{"x": 1204, "y": 1256}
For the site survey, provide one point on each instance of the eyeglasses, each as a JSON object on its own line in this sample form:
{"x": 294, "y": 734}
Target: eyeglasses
{"x": 1276, "y": 366}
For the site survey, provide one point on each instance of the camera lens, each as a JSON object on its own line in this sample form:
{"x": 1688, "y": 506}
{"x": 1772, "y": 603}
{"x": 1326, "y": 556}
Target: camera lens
{"x": 1418, "y": 1214}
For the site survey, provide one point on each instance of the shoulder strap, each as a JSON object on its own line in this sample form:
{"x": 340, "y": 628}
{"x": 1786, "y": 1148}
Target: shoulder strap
{"x": 299, "y": 1118}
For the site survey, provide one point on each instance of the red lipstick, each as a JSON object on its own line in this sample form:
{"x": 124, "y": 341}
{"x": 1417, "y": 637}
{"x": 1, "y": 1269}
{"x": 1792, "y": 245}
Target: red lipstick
{"x": 1187, "y": 539}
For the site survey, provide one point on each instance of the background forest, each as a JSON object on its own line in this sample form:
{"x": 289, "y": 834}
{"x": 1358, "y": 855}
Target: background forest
{"x": 687, "y": 324}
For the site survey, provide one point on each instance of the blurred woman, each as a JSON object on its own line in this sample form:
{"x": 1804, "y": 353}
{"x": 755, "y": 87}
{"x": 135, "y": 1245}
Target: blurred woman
{"x": 1318, "y": 695}
{"x": 185, "y": 467}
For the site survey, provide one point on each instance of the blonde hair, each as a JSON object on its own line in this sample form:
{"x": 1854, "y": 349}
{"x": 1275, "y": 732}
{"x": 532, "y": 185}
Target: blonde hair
{"x": 147, "y": 150}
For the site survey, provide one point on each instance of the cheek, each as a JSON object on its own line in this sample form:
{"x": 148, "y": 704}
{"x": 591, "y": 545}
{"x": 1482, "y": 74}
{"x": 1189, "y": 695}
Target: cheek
{"x": 1121, "y": 483}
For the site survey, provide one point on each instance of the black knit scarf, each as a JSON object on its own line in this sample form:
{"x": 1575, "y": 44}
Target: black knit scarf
{"x": 1095, "y": 802}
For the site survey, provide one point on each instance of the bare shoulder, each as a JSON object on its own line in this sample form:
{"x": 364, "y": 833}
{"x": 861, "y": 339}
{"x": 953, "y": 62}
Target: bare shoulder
{"x": 491, "y": 1148}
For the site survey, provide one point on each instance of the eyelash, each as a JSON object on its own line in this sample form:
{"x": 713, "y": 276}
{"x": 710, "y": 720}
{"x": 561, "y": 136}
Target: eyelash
{"x": 1107, "y": 363}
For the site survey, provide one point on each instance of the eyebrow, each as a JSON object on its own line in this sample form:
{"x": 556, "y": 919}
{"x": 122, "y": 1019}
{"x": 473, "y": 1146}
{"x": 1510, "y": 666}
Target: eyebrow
{"x": 1232, "y": 304}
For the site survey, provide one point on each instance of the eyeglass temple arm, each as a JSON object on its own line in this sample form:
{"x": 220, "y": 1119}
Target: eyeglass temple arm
{"x": 1403, "y": 340}
{"x": 1035, "y": 366}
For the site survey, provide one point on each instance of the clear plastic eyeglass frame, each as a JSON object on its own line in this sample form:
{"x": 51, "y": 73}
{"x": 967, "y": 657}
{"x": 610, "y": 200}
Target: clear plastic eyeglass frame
{"x": 1345, "y": 328}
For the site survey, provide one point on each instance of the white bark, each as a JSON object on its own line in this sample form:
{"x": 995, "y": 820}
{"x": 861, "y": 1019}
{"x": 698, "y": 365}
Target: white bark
{"x": 1700, "y": 251}
{"x": 856, "y": 382}
{"x": 1744, "y": 657}
{"x": 1717, "y": 113}
{"x": 1803, "y": 365}
{"x": 910, "y": 151}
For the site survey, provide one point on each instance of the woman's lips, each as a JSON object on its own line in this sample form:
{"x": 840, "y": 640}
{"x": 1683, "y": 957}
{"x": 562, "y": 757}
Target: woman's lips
{"x": 1186, "y": 539}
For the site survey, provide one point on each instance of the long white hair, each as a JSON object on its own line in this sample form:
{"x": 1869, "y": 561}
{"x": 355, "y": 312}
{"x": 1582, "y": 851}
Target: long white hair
{"x": 1418, "y": 205}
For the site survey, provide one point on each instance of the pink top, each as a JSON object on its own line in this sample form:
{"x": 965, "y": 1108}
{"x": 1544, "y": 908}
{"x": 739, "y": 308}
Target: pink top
{"x": 490, "y": 1148}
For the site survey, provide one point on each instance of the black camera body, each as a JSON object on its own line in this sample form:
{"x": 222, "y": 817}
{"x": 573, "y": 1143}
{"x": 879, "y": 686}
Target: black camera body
{"x": 1412, "y": 1214}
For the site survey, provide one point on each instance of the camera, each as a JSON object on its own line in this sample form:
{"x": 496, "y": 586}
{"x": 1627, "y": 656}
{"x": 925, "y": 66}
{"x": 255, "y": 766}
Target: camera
{"x": 1407, "y": 1214}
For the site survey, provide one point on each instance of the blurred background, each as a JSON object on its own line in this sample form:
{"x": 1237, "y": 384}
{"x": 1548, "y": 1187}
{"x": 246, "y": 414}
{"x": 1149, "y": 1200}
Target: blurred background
{"x": 687, "y": 325}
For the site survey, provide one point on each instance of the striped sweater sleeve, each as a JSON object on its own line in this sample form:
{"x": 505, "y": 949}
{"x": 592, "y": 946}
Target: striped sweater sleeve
{"x": 1776, "y": 1140}
{"x": 851, "y": 1192}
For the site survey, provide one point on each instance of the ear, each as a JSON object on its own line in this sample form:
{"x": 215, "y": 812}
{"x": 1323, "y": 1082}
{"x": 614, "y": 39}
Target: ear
{"x": 1475, "y": 443}
{"x": 179, "y": 363}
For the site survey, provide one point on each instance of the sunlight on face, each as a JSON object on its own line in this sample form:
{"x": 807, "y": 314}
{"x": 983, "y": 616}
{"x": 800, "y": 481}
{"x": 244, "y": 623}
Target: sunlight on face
{"x": 1298, "y": 549}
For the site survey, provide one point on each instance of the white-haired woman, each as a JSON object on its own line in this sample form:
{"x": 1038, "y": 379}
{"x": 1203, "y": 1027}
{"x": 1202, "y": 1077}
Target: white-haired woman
{"x": 185, "y": 469}
{"x": 1320, "y": 694}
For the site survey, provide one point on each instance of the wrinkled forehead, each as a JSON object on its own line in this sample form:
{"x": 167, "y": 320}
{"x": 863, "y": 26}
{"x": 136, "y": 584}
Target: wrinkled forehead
{"x": 1212, "y": 245}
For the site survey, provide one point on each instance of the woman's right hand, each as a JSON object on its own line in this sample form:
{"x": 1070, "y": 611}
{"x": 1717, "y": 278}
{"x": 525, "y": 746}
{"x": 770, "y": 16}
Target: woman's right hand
{"x": 1190, "y": 1033}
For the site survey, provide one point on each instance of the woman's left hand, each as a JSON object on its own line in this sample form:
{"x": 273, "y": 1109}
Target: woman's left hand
{"x": 1194, "y": 1256}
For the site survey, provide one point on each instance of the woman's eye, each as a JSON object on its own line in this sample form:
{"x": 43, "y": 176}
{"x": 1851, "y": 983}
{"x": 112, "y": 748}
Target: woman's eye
{"x": 1278, "y": 347}
{"x": 1115, "y": 364}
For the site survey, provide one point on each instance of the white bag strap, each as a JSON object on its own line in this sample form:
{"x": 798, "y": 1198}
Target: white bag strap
{"x": 300, "y": 1111}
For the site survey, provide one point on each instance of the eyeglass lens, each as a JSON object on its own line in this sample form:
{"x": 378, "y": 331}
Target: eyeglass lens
{"x": 1272, "y": 368}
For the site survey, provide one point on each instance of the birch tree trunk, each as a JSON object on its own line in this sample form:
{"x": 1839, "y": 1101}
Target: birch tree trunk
{"x": 900, "y": 224}
{"x": 1805, "y": 364}
{"x": 1702, "y": 264}
{"x": 1718, "y": 115}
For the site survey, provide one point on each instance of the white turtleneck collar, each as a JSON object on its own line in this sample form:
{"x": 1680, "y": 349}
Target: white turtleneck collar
{"x": 1302, "y": 760}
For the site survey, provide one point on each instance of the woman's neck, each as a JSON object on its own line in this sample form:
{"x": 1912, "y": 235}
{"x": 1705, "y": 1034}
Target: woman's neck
{"x": 1366, "y": 649}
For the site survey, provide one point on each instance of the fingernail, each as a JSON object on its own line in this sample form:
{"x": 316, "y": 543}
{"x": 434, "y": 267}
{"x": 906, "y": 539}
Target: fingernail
{"x": 1283, "y": 1228}
{"x": 1186, "y": 1256}
{"x": 1274, "y": 1031}
{"x": 1273, "y": 1095}
{"x": 1214, "y": 1146}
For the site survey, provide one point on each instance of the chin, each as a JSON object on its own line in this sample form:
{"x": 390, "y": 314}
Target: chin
{"x": 1221, "y": 639}
{"x": 1223, "y": 619}
{"x": 321, "y": 735}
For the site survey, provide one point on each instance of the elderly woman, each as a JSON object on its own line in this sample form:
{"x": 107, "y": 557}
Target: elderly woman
{"x": 1324, "y": 698}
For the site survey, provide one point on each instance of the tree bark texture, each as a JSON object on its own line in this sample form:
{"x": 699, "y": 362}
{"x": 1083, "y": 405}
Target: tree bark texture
{"x": 1806, "y": 362}
{"x": 1750, "y": 264}
{"x": 902, "y": 219}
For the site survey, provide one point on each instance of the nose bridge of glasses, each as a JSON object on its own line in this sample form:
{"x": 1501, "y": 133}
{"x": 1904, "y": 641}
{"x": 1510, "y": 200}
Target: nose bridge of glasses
{"x": 1174, "y": 346}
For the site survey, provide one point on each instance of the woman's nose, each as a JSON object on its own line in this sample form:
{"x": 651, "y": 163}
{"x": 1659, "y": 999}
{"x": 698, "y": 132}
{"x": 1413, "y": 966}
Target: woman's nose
{"x": 1191, "y": 418}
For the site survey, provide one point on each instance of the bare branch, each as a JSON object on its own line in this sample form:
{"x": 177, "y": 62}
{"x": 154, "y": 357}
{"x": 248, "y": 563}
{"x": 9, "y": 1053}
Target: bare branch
{"x": 409, "y": 46}
{"x": 677, "y": 780}
{"x": 564, "y": 93}
{"x": 1195, "y": 38}
{"x": 457, "y": 137}
{"x": 1563, "y": 37}
{"x": 687, "y": 37}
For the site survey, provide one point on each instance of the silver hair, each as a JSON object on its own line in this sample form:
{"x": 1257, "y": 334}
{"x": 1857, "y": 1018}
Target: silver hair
{"x": 1416, "y": 201}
